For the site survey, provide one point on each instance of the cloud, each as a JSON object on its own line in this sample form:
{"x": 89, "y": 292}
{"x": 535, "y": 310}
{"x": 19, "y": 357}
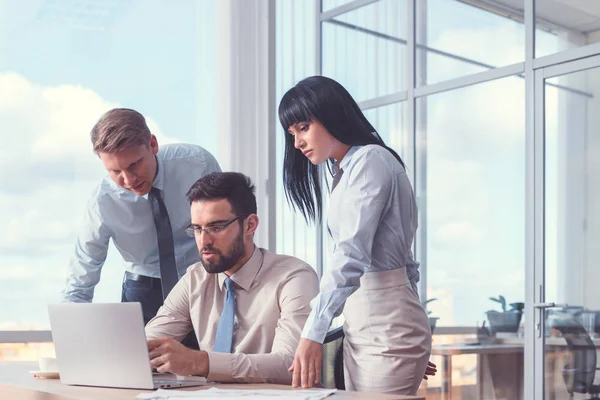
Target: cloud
{"x": 44, "y": 221}
{"x": 481, "y": 122}
{"x": 19, "y": 272}
{"x": 474, "y": 139}
{"x": 456, "y": 190}
{"x": 502, "y": 45}
{"x": 47, "y": 167}
{"x": 461, "y": 231}
{"x": 48, "y": 171}
{"x": 47, "y": 131}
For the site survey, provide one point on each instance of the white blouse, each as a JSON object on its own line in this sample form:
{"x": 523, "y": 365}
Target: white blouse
{"x": 372, "y": 218}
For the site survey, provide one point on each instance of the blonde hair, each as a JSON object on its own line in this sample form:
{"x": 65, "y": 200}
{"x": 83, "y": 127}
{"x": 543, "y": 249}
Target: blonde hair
{"x": 119, "y": 129}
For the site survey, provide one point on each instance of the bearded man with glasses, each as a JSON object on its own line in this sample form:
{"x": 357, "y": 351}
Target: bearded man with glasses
{"x": 246, "y": 305}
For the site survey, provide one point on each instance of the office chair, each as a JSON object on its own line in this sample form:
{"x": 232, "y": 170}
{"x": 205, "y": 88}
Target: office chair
{"x": 579, "y": 374}
{"x": 332, "y": 365}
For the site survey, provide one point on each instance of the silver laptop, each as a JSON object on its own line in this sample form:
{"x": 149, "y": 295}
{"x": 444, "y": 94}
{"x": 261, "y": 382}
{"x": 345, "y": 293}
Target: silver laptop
{"x": 105, "y": 345}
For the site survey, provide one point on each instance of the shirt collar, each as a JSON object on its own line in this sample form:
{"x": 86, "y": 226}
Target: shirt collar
{"x": 160, "y": 173}
{"x": 244, "y": 276}
{"x": 348, "y": 157}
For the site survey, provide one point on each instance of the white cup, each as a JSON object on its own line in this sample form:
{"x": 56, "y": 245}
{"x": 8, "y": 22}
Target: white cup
{"x": 48, "y": 364}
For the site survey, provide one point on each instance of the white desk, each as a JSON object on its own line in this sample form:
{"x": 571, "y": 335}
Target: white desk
{"x": 17, "y": 383}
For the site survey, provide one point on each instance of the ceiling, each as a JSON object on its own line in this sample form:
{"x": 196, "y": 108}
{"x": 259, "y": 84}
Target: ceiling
{"x": 581, "y": 16}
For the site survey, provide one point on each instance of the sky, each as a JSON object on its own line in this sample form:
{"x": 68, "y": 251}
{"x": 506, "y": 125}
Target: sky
{"x": 63, "y": 64}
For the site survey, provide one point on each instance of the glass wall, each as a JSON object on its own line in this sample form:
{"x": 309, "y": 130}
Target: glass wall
{"x": 474, "y": 169}
{"x": 296, "y": 59}
{"x": 572, "y": 227}
{"x": 390, "y": 122}
{"x": 62, "y": 64}
{"x": 456, "y": 38}
{"x": 365, "y": 49}
{"x": 460, "y": 123}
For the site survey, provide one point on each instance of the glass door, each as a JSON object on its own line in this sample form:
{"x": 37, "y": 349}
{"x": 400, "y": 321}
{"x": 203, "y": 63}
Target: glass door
{"x": 567, "y": 274}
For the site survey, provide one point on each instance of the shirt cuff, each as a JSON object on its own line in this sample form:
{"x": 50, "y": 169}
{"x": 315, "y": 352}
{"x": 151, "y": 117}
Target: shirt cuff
{"x": 220, "y": 369}
{"x": 315, "y": 328}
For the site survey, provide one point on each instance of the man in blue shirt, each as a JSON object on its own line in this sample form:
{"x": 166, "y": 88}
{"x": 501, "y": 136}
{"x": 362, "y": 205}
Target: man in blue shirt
{"x": 142, "y": 207}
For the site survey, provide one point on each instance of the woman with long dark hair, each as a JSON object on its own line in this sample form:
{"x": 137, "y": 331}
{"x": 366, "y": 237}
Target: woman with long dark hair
{"x": 372, "y": 219}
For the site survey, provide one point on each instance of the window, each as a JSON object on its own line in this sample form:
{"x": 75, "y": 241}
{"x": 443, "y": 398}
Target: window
{"x": 296, "y": 59}
{"x": 62, "y": 64}
{"x": 455, "y": 39}
{"x": 473, "y": 169}
{"x": 365, "y": 49}
{"x": 571, "y": 211}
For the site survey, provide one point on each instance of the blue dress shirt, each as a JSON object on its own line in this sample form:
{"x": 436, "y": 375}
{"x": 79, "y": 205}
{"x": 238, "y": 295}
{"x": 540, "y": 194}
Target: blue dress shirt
{"x": 372, "y": 218}
{"x": 116, "y": 214}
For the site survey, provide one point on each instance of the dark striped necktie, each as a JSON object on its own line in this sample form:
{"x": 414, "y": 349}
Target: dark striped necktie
{"x": 166, "y": 248}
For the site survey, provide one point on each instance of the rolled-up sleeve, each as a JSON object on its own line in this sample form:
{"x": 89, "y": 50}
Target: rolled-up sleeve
{"x": 90, "y": 253}
{"x": 294, "y": 297}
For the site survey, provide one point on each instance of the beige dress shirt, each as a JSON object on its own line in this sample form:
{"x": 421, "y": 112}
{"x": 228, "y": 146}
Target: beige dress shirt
{"x": 273, "y": 294}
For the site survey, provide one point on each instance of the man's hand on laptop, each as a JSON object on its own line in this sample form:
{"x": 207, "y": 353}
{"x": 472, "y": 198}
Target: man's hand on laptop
{"x": 168, "y": 355}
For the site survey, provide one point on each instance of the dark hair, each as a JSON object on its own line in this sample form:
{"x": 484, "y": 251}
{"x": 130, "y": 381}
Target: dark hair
{"x": 237, "y": 188}
{"x": 119, "y": 129}
{"x": 325, "y": 100}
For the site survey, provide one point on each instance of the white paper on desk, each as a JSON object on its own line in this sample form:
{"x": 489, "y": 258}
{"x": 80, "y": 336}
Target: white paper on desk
{"x": 246, "y": 394}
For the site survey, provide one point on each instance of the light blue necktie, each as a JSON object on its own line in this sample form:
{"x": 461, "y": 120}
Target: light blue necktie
{"x": 224, "y": 337}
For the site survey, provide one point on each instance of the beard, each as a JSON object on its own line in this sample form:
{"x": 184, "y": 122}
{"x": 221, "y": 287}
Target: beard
{"x": 225, "y": 262}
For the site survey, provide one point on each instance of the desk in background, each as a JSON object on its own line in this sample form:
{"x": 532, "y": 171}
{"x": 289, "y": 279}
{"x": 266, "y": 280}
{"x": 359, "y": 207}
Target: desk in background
{"x": 17, "y": 383}
{"x": 501, "y": 363}
{"x": 557, "y": 356}
{"x": 500, "y": 367}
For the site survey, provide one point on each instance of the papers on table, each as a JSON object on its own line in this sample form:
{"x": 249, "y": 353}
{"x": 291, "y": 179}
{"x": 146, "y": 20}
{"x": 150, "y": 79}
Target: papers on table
{"x": 245, "y": 394}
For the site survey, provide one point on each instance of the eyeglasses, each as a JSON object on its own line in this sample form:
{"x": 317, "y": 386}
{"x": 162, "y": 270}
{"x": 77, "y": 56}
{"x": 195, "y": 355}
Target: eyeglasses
{"x": 195, "y": 230}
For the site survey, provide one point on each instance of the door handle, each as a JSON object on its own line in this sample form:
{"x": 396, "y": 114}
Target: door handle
{"x": 548, "y": 305}
{"x": 542, "y": 307}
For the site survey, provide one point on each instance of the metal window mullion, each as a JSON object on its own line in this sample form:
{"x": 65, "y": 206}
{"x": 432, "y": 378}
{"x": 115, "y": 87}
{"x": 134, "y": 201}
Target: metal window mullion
{"x": 571, "y": 67}
{"x": 383, "y": 100}
{"x": 319, "y": 70}
{"x": 531, "y": 364}
{"x": 469, "y": 80}
{"x": 567, "y": 56}
{"x": 271, "y": 178}
{"x": 410, "y": 83}
{"x": 538, "y": 219}
{"x": 334, "y": 12}
{"x": 418, "y": 115}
